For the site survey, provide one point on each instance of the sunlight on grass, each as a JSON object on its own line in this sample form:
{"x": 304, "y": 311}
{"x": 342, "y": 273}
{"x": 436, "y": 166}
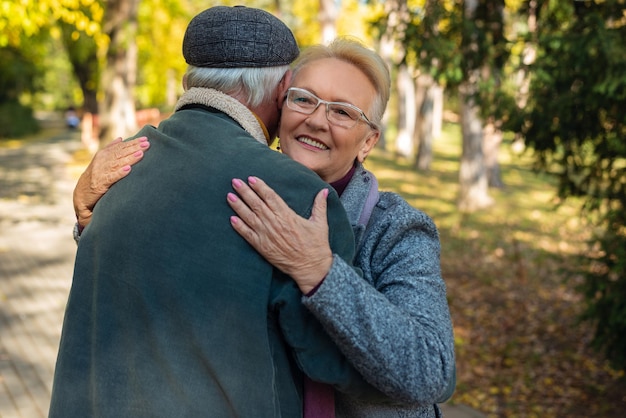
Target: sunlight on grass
{"x": 511, "y": 272}
{"x": 11, "y": 143}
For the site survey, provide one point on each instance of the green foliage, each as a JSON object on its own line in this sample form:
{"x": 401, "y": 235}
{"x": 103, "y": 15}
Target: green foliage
{"x": 161, "y": 23}
{"x": 16, "y": 120}
{"x": 17, "y": 74}
{"x": 576, "y": 124}
{"x": 605, "y": 289}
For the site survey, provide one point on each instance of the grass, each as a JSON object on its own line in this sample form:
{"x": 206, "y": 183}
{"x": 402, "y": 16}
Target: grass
{"x": 512, "y": 272}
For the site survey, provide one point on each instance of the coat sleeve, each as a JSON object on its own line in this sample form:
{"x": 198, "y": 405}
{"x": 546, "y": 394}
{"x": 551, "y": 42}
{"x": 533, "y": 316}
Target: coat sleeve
{"x": 313, "y": 350}
{"x": 395, "y": 327}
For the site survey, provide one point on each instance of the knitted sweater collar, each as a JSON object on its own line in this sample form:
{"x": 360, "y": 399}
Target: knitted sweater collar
{"x": 230, "y": 106}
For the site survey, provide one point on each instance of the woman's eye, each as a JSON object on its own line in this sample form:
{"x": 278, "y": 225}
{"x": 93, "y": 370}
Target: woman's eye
{"x": 303, "y": 101}
{"x": 342, "y": 113}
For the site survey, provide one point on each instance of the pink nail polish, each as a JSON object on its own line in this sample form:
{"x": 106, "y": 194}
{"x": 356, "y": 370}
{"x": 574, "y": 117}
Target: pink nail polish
{"x": 252, "y": 180}
{"x": 138, "y": 154}
{"x": 231, "y": 197}
{"x": 237, "y": 183}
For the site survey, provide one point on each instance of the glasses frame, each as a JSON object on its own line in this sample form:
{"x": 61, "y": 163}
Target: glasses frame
{"x": 362, "y": 116}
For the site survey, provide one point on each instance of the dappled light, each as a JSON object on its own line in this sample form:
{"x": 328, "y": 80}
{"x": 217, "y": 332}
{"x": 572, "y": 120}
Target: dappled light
{"x": 512, "y": 272}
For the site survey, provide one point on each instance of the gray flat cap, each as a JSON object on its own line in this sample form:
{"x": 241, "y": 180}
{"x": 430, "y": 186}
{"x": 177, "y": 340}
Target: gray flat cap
{"x": 233, "y": 37}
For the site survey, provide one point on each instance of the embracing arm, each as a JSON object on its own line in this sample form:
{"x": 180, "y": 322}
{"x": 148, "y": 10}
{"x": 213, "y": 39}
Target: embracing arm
{"x": 395, "y": 326}
{"x": 108, "y": 165}
{"x": 278, "y": 236}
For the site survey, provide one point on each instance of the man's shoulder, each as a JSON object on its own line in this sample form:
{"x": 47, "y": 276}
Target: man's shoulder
{"x": 288, "y": 178}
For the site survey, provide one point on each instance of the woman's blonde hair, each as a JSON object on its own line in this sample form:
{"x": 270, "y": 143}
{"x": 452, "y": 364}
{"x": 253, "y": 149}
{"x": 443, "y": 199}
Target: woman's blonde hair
{"x": 368, "y": 61}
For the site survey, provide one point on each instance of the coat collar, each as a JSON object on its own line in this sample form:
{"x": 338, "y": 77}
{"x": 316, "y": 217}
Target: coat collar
{"x": 227, "y": 104}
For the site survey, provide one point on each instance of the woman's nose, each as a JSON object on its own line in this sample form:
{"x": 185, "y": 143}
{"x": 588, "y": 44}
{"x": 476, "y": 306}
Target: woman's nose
{"x": 318, "y": 117}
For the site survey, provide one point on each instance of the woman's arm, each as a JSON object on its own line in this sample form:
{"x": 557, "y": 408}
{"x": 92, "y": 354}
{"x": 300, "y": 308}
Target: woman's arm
{"x": 394, "y": 325}
{"x": 109, "y": 165}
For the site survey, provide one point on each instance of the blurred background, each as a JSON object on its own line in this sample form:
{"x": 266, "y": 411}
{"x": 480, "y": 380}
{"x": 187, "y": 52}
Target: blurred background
{"x": 507, "y": 125}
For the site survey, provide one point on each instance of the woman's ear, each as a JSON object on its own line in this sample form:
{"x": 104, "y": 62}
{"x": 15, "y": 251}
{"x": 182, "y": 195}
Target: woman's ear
{"x": 369, "y": 144}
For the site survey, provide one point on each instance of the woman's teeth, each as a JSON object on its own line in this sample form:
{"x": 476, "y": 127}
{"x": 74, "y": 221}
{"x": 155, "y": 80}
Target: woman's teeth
{"x": 312, "y": 143}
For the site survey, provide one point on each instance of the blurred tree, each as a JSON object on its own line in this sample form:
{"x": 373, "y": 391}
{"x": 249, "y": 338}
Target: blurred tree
{"x": 459, "y": 45}
{"x": 160, "y": 71}
{"x": 32, "y": 26}
{"x": 432, "y": 41}
{"x": 391, "y": 26}
{"x": 473, "y": 185}
{"x": 17, "y": 76}
{"x": 328, "y": 20}
{"x": 117, "y": 115}
{"x": 82, "y": 52}
{"x": 575, "y": 121}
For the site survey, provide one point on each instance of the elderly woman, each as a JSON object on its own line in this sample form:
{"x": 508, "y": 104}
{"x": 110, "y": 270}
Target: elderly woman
{"x": 392, "y": 321}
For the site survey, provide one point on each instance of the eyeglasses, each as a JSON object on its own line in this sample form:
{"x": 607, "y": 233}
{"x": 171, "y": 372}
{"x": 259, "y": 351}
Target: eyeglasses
{"x": 337, "y": 113}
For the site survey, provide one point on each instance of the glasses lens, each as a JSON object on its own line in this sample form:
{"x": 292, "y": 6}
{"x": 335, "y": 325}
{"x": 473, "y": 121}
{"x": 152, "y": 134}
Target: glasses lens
{"x": 343, "y": 115}
{"x": 340, "y": 114}
{"x": 302, "y": 101}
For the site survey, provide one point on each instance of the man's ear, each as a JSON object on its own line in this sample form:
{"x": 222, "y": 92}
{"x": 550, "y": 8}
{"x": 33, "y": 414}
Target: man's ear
{"x": 185, "y": 82}
{"x": 281, "y": 90}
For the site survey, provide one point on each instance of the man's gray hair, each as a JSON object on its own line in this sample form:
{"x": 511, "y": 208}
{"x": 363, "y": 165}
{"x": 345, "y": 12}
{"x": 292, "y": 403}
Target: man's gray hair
{"x": 255, "y": 85}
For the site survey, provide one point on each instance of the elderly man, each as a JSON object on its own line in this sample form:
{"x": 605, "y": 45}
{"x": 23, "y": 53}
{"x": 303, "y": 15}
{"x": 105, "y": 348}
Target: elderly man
{"x": 171, "y": 313}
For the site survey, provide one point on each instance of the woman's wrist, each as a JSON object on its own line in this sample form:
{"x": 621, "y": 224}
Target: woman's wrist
{"x": 310, "y": 279}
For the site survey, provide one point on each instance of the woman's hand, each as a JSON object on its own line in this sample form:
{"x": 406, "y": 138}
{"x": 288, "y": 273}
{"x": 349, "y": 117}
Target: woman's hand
{"x": 297, "y": 246}
{"x": 109, "y": 165}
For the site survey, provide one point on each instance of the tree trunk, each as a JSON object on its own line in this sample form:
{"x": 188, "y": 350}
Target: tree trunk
{"x": 83, "y": 56}
{"x": 328, "y": 20}
{"x": 117, "y": 112}
{"x": 473, "y": 185}
{"x": 392, "y": 50}
{"x": 491, "y": 147}
{"x": 430, "y": 102}
{"x": 529, "y": 55}
{"x": 407, "y": 112}
{"x": 437, "y": 95}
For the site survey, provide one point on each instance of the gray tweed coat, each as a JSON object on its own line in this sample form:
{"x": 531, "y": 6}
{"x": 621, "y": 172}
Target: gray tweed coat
{"x": 395, "y": 325}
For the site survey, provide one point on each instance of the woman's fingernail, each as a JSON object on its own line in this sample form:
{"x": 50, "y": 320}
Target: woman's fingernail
{"x": 237, "y": 183}
{"x": 234, "y": 220}
{"x": 231, "y": 197}
{"x": 325, "y": 193}
{"x": 126, "y": 168}
{"x": 138, "y": 154}
{"x": 252, "y": 180}
{"x": 144, "y": 144}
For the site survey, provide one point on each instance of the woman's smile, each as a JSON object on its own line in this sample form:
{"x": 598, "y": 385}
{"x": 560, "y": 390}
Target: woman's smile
{"x": 308, "y": 143}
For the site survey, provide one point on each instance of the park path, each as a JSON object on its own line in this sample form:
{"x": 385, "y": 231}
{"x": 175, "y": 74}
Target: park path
{"x": 36, "y": 264}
